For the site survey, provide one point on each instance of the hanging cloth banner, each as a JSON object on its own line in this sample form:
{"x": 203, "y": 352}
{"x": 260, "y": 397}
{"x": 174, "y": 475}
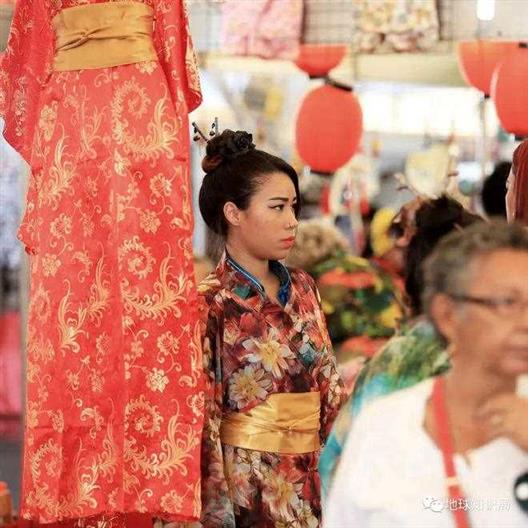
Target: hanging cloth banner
{"x": 270, "y": 29}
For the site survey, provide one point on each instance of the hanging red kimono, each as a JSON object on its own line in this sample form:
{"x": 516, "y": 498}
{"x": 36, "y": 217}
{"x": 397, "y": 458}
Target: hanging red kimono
{"x": 95, "y": 97}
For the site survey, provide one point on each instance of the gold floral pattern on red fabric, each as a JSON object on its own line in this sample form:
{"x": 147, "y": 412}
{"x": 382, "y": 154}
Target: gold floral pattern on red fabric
{"x": 114, "y": 390}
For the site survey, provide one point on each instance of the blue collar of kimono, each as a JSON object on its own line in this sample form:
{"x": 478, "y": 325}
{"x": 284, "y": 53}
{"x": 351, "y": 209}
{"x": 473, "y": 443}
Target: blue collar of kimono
{"x": 276, "y": 268}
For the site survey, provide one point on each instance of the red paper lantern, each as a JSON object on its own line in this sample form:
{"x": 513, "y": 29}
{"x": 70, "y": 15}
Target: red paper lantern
{"x": 329, "y": 127}
{"x": 509, "y": 91}
{"x": 317, "y": 60}
{"x": 478, "y": 59}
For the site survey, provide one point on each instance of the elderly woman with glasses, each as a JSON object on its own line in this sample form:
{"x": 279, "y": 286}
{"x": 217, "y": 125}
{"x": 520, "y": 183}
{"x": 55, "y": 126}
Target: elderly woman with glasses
{"x": 415, "y": 353}
{"x": 439, "y": 454}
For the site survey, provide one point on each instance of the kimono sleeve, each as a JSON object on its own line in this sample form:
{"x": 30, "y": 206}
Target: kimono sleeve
{"x": 24, "y": 69}
{"x": 331, "y": 453}
{"x": 330, "y": 384}
{"x": 217, "y": 507}
{"x": 175, "y": 51}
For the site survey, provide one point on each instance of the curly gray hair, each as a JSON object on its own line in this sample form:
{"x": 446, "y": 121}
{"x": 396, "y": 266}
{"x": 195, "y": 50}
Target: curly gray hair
{"x": 450, "y": 266}
{"x": 317, "y": 239}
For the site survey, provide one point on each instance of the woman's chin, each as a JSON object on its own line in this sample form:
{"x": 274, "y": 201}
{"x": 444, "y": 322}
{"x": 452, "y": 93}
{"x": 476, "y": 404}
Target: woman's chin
{"x": 280, "y": 254}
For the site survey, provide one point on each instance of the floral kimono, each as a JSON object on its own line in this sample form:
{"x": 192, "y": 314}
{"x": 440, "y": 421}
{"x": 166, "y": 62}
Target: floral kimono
{"x": 255, "y": 348}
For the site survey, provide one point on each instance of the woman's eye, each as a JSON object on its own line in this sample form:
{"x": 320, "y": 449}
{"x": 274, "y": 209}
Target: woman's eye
{"x": 509, "y": 301}
{"x": 278, "y": 207}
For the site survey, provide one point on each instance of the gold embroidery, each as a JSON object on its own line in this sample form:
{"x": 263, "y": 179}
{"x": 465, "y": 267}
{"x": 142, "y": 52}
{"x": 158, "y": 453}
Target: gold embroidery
{"x": 48, "y": 118}
{"x": 98, "y": 302}
{"x": 162, "y": 131}
{"x": 169, "y": 295}
{"x": 139, "y": 259}
{"x": 157, "y": 380}
{"x": 175, "y": 450}
{"x": 143, "y": 417}
{"x": 59, "y": 178}
{"x": 109, "y": 152}
{"x": 70, "y": 327}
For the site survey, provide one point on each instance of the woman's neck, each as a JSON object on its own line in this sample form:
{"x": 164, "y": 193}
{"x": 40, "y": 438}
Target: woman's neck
{"x": 467, "y": 393}
{"x": 259, "y": 268}
{"x": 464, "y": 395}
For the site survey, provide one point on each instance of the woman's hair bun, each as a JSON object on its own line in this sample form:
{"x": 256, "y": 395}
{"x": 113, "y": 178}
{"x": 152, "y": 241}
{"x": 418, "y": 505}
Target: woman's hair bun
{"x": 226, "y": 146}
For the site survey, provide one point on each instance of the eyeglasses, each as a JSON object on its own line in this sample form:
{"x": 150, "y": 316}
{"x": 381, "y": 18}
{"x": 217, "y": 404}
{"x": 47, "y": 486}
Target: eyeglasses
{"x": 512, "y": 306}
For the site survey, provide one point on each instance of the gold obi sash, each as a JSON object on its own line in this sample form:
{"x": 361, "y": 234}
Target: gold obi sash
{"x": 285, "y": 423}
{"x": 103, "y": 35}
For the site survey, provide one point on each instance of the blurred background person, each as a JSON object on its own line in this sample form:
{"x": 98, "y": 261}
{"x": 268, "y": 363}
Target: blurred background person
{"x": 415, "y": 353}
{"x": 494, "y": 190}
{"x": 385, "y": 252}
{"x": 517, "y": 186}
{"x": 429, "y": 454}
{"x": 366, "y": 219}
{"x": 361, "y": 300}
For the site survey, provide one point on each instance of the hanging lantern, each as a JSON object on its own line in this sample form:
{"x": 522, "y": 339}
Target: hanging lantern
{"x": 477, "y": 60}
{"x": 509, "y": 93}
{"x": 329, "y": 127}
{"x": 317, "y": 60}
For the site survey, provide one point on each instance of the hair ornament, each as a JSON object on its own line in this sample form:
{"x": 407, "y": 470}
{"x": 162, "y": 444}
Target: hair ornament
{"x": 214, "y": 128}
{"x": 222, "y": 147}
{"x": 198, "y": 134}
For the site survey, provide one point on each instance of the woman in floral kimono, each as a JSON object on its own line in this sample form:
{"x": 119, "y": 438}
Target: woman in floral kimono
{"x": 273, "y": 386}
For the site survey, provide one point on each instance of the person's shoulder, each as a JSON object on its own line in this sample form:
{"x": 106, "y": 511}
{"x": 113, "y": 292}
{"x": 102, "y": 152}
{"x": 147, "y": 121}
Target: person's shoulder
{"x": 422, "y": 329}
{"x": 211, "y": 293}
{"x": 383, "y": 359}
{"x": 420, "y": 335}
{"x": 210, "y": 286}
{"x": 299, "y": 274}
{"x": 302, "y": 279}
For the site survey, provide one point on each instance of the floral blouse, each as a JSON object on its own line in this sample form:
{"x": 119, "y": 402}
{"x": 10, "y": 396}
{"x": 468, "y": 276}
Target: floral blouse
{"x": 255, "y": 347}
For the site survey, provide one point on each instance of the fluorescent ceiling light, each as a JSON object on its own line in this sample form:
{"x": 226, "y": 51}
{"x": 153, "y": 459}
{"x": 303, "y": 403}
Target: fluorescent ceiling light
{"x": 485, "y": 10}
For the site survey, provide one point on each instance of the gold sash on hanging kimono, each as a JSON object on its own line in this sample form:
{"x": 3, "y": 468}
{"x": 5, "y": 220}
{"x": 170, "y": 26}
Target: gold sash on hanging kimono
{"x": 285, "y": 423}
{"x": 103, "y": 35}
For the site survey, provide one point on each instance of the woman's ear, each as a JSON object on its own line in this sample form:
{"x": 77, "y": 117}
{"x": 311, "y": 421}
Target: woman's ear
{"x": 444, "y": 316}
{"x": 232, "y": 213}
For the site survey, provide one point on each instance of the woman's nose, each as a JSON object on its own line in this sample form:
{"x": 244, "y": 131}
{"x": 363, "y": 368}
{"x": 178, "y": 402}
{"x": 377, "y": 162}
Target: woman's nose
{"x": 292, "y": 221}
